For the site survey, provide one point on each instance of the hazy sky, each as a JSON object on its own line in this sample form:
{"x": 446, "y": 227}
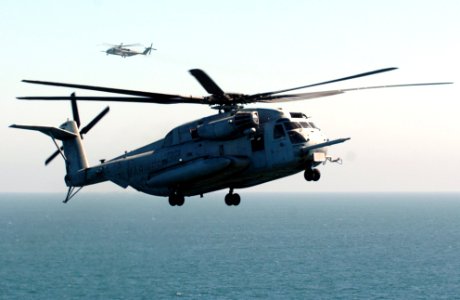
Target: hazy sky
{"x": 404, "y": 139}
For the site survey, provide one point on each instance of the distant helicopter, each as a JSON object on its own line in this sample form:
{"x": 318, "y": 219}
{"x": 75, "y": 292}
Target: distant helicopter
{"x": 124, "y": 51}
{"x": 236, "y": 148}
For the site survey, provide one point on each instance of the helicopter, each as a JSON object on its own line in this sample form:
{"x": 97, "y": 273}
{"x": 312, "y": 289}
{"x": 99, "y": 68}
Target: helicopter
{"x": 233, "y": 149}
{"x": 124, "y": 51}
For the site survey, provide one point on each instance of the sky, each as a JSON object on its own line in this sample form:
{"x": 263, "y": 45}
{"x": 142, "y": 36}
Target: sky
{"x": 402, "y": 139}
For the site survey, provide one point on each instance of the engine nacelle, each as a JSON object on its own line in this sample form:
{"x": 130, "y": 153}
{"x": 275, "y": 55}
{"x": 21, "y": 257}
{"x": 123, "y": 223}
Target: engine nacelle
{"x": 239, "y": 124}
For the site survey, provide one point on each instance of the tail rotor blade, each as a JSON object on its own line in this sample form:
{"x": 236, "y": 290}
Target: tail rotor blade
{"x": 94, "y": 121}
{"x": 76, "y": 115}
{"x": 151, "y": 48}
{"x": 53, "y": 156}
{"x": 83, "y": 130}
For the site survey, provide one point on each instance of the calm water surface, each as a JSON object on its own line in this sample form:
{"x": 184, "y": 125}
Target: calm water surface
{"x": 273, "y": 246}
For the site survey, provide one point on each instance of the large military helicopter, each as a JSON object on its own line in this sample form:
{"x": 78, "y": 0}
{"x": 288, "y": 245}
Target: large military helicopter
{"x": 124, "y": 51}
{"x": 236, "y": 148}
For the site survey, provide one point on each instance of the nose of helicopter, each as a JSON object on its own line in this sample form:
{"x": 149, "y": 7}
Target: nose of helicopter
{"x": 316, "y": 138}
{"x": 316, "y": 146}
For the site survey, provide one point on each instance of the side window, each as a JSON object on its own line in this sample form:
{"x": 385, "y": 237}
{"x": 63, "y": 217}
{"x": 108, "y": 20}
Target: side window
{"x": 257, "y": 143}
{"x": 278, "y": 131}
{"x": 194, "y": 133}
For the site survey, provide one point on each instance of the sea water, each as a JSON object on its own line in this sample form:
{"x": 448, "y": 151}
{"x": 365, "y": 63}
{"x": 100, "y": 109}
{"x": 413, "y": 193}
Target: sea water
{"x": 272, "y": 246}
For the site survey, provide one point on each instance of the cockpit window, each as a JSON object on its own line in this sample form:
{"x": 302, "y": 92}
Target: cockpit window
{"x": 308, "y": 125}
{"x": 297, "y": 115}
{"x": 282, "y": 120}
{"x": 296, "y": 138}
{"x": 291, "y": 125}
{"x": 278, "y": 131}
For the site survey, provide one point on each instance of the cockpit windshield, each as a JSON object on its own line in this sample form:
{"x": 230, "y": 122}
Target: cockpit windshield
{"x": 296, "y": 125}
{"x": 291, "y": 125}
{"x": 294, "y": 129}
{"x": 296, "y": 138}
{"x": 308, "y": 125}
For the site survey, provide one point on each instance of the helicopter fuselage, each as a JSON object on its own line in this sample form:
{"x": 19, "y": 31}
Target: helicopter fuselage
{"x": 122, "y": 51}
{"x": 229, "y": 150}
{"x": 126, "y": 52}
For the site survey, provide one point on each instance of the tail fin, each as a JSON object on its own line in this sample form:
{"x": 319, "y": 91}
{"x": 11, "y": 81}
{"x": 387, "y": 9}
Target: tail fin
{"x": 71, "y": 136}
{"x": 74, "y": 154}
{"x": 148, "y": 50}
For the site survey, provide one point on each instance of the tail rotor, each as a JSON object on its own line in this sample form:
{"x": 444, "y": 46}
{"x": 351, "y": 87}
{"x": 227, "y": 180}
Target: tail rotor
{"x": 149, "y": 49}
{"x": 76, "y": 118}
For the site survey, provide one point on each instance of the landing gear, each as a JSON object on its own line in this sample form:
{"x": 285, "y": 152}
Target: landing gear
{"x": 312, "y": 175}
{"x": 232, "y": 199}
{"x": 176, "y": 199}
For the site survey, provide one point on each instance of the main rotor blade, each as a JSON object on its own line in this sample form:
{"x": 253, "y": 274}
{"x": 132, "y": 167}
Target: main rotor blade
{"x": 313, "y": 95}
{"x": 145, "y": 96}
{"x": 395, "y": 85}
{"x": 178, "y": 99}
{"x": 255, "y": 96}
{"x": 159, "y": 96}
{"x": 76, "y": 115}
{"x": 94, "y": 121}
{"x": 121, "y": 45}
{"x": 209, "y": 85}
{"x": 131, "y": 45}
{"x": 296, "y": 97}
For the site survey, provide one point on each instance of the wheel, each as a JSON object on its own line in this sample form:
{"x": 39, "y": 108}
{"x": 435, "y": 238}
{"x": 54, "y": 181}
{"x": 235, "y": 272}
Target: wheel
{"x": 180, "y": 200}
{"x": 316, "y": 174}
{"x": 176, "y": 199}
{"x": 172, "y": 200}
{"x": 236, "y": 199}
{"x": 312, "y": 175}
{"x": 232, "y": 199}
{"x": 228, "y": 199}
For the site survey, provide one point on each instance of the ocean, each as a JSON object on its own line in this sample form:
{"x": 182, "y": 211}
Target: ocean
{"x": 272, "y": 246}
